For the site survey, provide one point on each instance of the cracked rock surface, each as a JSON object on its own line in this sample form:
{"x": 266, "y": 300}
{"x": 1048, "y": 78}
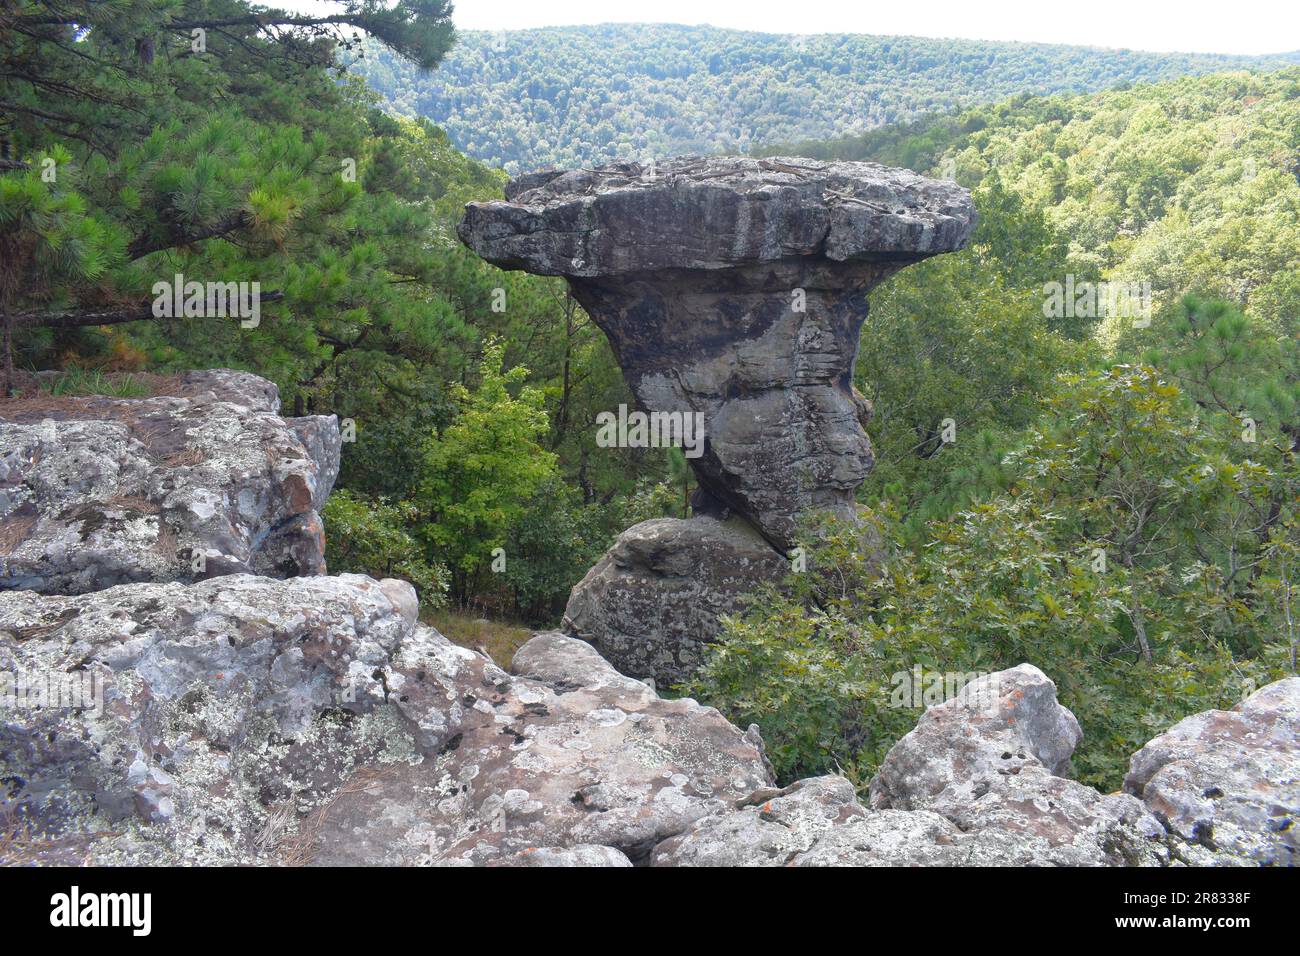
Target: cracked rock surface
{"x": 1230, "y": 780}
{"x": 102, "y": 491}
{"x": 970, "y": 785}
{"x": 563, "y": 752}
{"x": 989, "y": 759}
{"x": 250, "y": 720}
{"x": 245, "y": 719}
{"x": 193, "y": 722}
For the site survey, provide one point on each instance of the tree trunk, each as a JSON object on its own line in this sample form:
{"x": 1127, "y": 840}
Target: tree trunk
{"x": 1135, "y": 613}
{"x": 9, "y": 355}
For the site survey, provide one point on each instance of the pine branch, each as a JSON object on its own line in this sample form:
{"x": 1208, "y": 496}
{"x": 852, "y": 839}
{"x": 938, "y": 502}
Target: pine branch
{"x": 79, "y": 319}
{"x": 142, "y": 246}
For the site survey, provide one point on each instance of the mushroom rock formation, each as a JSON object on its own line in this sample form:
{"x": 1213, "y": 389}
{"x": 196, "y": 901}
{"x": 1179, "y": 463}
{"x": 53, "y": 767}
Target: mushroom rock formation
{"x": 734, "y": 288}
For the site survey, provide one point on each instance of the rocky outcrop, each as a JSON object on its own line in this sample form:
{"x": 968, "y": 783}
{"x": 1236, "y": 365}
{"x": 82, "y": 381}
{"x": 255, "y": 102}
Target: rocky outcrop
{"x": 247, "y": 720}
{"x": 206, "y": 481}
{"x": 244, "y": 719}
{"x": 969, "y": 786}
{"x": 732, "y": 290}
{"x": 178, "y": 723}
{"x": 735, "y": 288}
{"x": 989, "y": 761}
{"x": 1229, "y": 781}
{"x": 652, "y": 600}
{"x": 565, "y": 755}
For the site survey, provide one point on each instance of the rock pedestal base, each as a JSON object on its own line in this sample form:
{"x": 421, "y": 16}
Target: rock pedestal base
{"x": 652, "y": 603}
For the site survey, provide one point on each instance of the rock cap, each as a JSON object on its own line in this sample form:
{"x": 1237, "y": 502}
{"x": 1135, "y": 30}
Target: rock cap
{"x": 711, "y": 213}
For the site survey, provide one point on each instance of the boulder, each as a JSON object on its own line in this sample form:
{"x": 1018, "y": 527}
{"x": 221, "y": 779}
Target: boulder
{"x": 769, "y": 827}
{"x": 969, "y": 786}
{"x": 250, "y": 720}
{"x": 245, "y": 719}
{"x": 1229, "y": 781}
{"x": 561, "y": 754}
{"x": 652, "y": 603}
{"x": 177, "y": 723}
{"x": 988, "y": 760}
{"x": 819, "y": 822}
{"x": 209, "y": 480}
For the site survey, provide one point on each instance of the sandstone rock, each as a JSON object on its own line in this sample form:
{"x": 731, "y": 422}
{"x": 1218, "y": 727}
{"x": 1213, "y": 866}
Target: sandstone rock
{"x": 733, "y": 292}
{"x": 819, "y": 822}
{"x": 735, "y": 288}
{"x": 986, "y": 760}
{"x": 1230, "y": 780}
{"x": 1001, "y": 721}
{"x": 244, "y": 719}
{"x": 574, "y": 754}
{"x": 967, "y": 787}
{"x": 102, "y": 491}
{"x": 712, "y": 213}
{"x": 768, "y": 828}
{"x": 653, "y": 601}
{"x": 188, "y": 716}
{"x": 208, "y": 386}
{"x": 583, "y": 855}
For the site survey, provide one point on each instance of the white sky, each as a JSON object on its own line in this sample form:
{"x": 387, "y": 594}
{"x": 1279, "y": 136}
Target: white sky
{"x": 1200, "y": 26}
{"x": 1187, "y": 26}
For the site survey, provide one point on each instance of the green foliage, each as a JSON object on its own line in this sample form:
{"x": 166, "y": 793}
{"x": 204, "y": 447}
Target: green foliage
{"x": 481, "y": 470}
{"x": 551, "y": 546}
{"x": 1192, "y": 185}
{"x": 963, "y": 338}
{"x": 78, "y": 381}
{"x": 1225, "y": 360}
{"x": 368, "y": 536}
{"x": 257, "y": 160}
{"x": 1132, "y": 559}
{"x": 947, "y": 390}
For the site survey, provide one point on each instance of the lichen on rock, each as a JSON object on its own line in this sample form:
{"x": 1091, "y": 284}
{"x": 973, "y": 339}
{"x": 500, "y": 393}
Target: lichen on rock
{"x": 210, "y": 480}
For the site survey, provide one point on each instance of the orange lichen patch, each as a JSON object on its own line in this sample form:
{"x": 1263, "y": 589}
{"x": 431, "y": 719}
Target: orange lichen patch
{"x": 14, "y": 530}
{"x": 299, "y": 494}
{"x": 129, "y": 503}
{"x": 184, "y": 459}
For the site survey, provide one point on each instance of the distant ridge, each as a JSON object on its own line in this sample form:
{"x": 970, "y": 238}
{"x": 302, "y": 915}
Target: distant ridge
{"x": 581, "y": 95}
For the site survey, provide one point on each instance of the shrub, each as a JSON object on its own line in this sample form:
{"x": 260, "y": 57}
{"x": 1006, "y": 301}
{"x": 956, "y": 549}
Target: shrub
{"x": 368, "y": 536}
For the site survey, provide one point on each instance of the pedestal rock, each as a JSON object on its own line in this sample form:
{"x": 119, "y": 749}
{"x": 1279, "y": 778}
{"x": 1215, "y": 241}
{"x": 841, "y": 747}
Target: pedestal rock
{"x": 735, "y": 289}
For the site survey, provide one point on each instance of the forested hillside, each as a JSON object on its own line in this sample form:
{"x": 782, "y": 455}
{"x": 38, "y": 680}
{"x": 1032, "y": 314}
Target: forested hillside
{"x": 582, "y": 95}
{"x": 1185, "y": 184}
